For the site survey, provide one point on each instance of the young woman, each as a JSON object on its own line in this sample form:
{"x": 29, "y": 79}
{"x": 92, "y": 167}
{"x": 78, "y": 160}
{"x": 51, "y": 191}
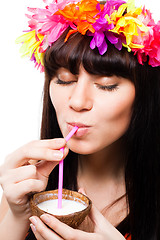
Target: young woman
{"x": 113, "y": 96}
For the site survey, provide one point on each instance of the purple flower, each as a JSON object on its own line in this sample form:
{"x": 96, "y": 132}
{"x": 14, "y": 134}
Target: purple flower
{"x": 113, "y": 4}
{"x": 99, "y": 41}
{"x": 102, "y": 27}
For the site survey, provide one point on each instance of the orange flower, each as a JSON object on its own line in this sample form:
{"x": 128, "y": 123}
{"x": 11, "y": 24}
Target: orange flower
{"x": 82, "y": 14}
{"x": 69, "y": 12}
{"x": 87, "y": 10}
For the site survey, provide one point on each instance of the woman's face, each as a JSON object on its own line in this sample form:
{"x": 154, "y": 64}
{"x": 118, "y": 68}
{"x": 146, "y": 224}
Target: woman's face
{"x": 100, "y": 106}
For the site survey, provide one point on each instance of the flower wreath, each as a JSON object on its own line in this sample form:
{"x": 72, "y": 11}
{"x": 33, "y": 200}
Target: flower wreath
{"x": 123, "y": 24}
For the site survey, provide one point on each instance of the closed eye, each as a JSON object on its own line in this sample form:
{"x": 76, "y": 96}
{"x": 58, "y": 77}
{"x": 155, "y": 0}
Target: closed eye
{"x": 108, "y": 87}
{"x": 61, "y": 82}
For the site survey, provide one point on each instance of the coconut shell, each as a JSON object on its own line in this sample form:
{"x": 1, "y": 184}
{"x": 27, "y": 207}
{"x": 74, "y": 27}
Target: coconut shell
{"x": 73, "y": 219}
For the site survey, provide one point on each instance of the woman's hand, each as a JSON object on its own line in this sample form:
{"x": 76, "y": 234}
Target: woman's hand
{"x": 103, "y": 230}
{"x": 19, "y": 178}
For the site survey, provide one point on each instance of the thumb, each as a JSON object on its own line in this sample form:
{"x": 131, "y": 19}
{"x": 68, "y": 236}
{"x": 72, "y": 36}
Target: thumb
{"x": 102, "y": 225}
{"x": 46, "y": 167}
{"x": 97, "y": 218}
{"x": 95, "y": 215}
{"x": 82, "y": 190}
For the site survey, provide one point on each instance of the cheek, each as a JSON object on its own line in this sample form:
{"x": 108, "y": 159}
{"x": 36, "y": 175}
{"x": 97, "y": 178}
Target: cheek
{"x": 121, "y": 111}
{"x": 117, "y": 112}
{"x": 59, "y": 102}
{"x": 124, "y": 106}
{"x": 56, "y": 100}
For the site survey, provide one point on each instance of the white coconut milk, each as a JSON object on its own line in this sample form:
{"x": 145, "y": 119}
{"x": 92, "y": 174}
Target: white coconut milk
{"x": 68, "y": 207}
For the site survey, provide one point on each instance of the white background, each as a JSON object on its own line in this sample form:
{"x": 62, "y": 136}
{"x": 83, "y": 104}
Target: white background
{"x": 21, "y": 85}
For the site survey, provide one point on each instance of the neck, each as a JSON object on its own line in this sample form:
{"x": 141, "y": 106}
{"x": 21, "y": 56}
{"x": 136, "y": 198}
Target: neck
{"x": 102, "y": 177}
{"x": 107, "y": 163}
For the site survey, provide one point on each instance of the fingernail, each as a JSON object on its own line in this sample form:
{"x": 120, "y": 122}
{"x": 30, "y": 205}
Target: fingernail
{"x": 33, "y": 227}
{"x": 33, "y": 220}
{"x": 45, "y": 218}
{"x": 58, "y": 155}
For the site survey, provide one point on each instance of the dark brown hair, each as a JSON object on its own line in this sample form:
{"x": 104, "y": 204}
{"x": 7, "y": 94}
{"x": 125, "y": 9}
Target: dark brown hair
{"x": 77, "y": 51}
{"x": 142, "y": 139}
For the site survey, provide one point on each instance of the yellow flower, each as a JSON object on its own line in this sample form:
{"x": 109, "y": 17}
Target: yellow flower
{"x": 108, "y": 19}
{"x": 126, "y": 23}
{"x": 31, "y": 45}
{"x": 118, "y": 14}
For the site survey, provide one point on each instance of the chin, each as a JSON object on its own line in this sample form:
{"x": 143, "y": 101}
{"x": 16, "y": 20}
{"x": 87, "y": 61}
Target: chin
{"x": 83, "y": 150}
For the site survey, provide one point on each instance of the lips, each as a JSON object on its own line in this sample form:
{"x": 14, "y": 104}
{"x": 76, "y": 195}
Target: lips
{"x": 82, "y": 128}
{"x": 79, "y": 125}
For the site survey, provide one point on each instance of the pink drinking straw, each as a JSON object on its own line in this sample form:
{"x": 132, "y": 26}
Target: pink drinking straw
{"x": 60, "y": 182}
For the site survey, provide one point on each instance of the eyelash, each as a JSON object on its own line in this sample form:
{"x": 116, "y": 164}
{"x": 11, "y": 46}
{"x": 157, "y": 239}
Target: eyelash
{"x": 105, "y": 88}
{"x": 59, "y": 81}
{"x": 109, "y": 88}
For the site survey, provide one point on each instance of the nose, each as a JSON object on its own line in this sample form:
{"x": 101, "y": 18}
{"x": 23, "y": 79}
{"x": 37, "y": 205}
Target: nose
{"x": 81, "y": 97}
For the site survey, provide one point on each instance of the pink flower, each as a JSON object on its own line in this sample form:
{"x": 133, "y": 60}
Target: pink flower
{"x": 151, "y": 47}
{"x": 45, "y": 22}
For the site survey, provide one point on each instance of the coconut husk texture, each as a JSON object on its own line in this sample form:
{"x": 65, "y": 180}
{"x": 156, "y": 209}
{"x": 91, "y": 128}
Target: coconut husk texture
{"x": 72, "y": 220}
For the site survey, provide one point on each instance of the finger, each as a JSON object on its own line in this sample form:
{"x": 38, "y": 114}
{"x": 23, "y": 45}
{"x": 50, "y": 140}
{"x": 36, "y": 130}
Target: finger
{"x": 42, "y": 231}
{"x": 103, "y": 226}
{"x": 36, "y": 162}
{"x": 46, "y": 167}
{"x": 23, "y": 188}
{"x": 38, "y": 154}
{"x": 97, "y": 218}
{"x": 19, "y": 174}
{"x": 95, "y": 215}
{"x": 36, "y": 234}
{"x": 36, "y": 150}
{"x": 64, "y": 230}
{"x": 55, "y": 143}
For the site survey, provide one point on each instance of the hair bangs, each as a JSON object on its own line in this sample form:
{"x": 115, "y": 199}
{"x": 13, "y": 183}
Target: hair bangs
{"x": 76, "y": 51}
